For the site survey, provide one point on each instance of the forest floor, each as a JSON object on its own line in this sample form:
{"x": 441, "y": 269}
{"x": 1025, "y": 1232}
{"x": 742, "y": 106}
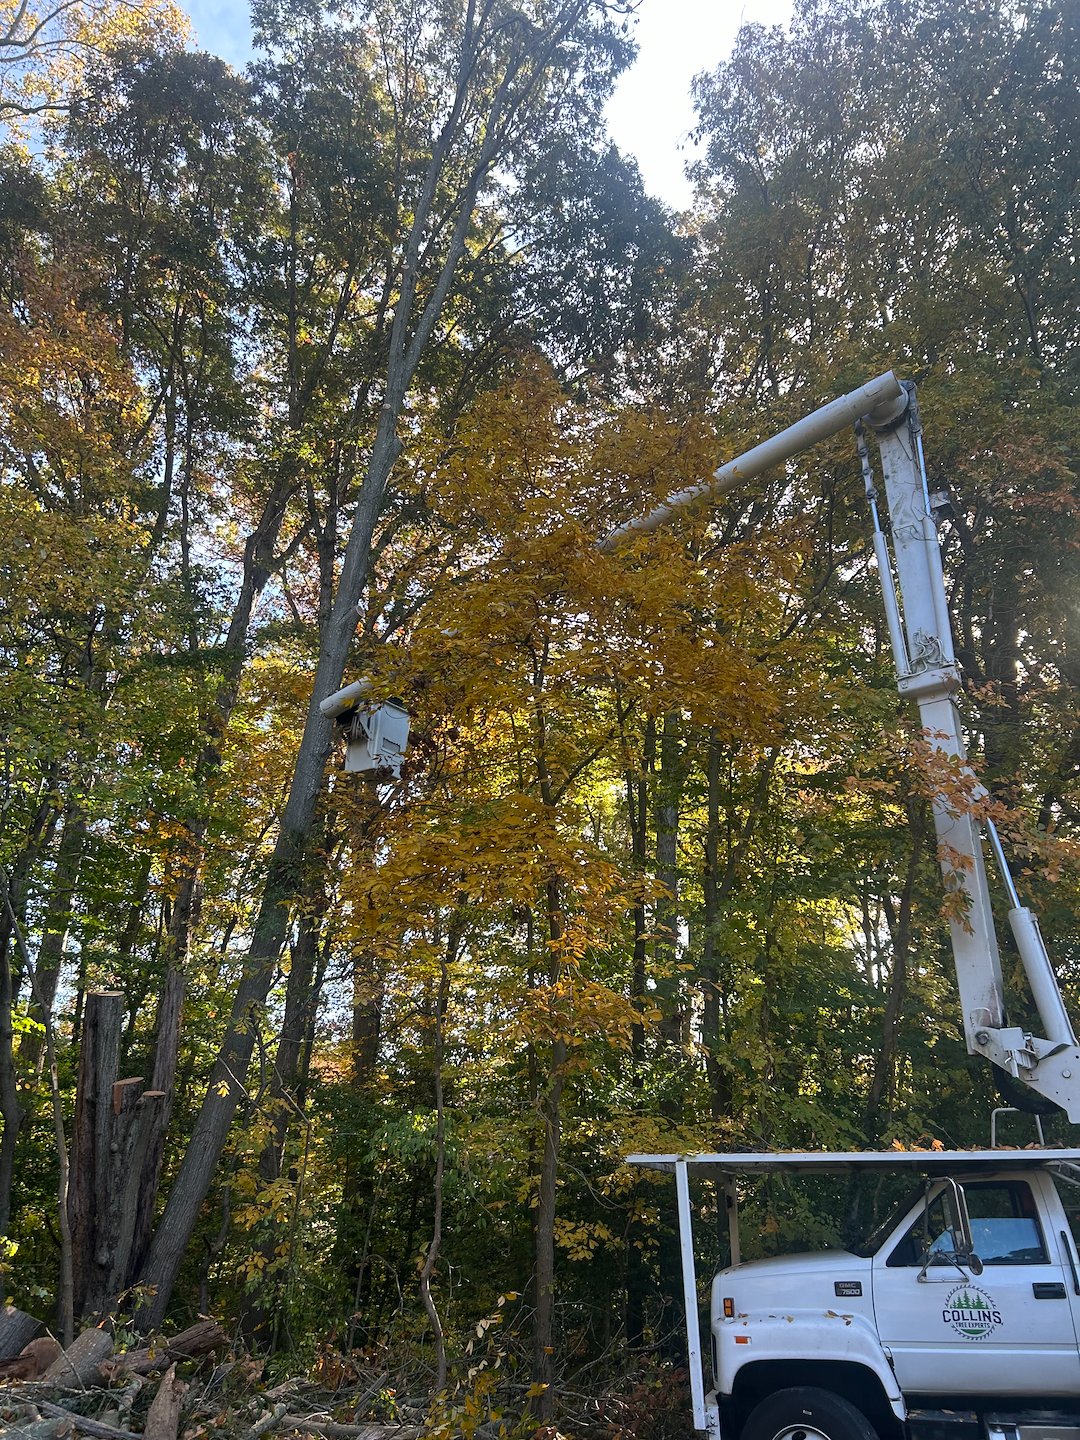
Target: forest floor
{"x": 195, "y": 1387}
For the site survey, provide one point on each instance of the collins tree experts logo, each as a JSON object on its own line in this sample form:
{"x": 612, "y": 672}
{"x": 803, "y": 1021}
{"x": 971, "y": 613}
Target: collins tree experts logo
{"x": 970, "y": 1311}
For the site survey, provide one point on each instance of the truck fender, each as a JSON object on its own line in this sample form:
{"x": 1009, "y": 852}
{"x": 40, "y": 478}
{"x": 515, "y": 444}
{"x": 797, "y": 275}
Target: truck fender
{"x": 812, "y": 1336}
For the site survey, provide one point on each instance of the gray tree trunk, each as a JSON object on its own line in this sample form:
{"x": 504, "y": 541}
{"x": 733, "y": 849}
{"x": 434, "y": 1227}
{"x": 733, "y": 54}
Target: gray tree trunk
{"x": 54, "y": 934}
{"x": 488, "y": 132}
{"x": 543, "y": 1373}
{"x": 99, "y": 1058}
{"x": 669, "y": 987}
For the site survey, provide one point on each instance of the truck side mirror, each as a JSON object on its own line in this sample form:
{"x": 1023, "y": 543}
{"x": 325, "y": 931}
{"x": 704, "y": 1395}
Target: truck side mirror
{"x": 962, "y": 1252}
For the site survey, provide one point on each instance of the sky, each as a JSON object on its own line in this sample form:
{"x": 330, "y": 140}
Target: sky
{"x": 650, "y": 114}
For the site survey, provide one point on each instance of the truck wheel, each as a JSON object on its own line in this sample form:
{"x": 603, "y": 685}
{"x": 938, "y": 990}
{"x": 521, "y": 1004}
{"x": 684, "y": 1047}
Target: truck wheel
{"x": 807, "y": 1413}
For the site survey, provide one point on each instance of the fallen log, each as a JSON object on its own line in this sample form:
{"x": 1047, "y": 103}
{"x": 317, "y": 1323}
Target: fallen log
{"x": 335, "y": 1431}
{"x": 79, "y": 1366}
{"x": 163, "y": 1417}
{"x": 85, "y": 1424}
{"x": 198, "y": 1339}
{"x": 17, "y": 1329}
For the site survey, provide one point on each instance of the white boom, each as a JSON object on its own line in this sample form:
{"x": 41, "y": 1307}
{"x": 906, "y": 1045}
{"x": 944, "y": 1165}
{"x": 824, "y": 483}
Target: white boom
{"x": 884, "y": 395}
{"x": 927, "y": 672}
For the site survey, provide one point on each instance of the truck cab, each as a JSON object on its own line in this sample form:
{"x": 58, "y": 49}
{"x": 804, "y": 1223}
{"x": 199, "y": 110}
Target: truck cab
{"x": 959, "y": 1315}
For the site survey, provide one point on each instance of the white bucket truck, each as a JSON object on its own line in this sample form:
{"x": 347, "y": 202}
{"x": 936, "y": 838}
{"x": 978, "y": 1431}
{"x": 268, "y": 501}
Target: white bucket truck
{"x": 958, "y": 1317}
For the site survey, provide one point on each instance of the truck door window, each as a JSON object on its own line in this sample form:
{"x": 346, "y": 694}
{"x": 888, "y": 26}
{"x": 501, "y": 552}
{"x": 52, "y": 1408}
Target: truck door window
{"x": 1004, "y": 1227}
{"x": 1004, "y": 1224}
{"x": 934, "y": 1227}
{"x": 1069, "y": 1194}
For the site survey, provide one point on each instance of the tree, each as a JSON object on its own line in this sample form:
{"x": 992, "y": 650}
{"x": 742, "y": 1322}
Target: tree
{"x": 70, "y": 414}
{"x": 487, "y": 74}
{"x": 44, "y": 48}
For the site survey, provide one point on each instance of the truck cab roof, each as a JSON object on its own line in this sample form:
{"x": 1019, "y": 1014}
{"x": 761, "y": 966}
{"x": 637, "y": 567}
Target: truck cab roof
{"x": 726, "y": 1164}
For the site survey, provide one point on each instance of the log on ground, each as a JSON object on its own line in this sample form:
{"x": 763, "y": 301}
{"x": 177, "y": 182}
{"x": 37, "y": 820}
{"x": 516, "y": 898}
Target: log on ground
{"x": 198, "y": 1339}
{"x": 308, "y": 1425}
{"x": 80, "y": 1364}
{"x": 86, "y": 1424}
{"x": 17, "y": 1329}
{"x": 163, "y": 1417}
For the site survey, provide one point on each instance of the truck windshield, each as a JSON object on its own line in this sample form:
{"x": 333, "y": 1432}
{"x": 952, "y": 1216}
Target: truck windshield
{"x": 880, "y": 1233}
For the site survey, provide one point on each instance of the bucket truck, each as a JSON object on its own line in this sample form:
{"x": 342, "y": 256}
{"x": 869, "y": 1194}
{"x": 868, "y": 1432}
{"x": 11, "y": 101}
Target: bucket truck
{"x": 960, "y": 1315}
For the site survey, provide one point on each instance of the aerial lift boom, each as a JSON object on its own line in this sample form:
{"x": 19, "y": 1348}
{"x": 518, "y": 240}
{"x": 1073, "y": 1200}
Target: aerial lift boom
{"x": 1047, "y": 1064}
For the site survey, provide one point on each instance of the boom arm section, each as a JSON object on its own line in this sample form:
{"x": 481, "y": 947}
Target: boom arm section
{"x": 927, "y": 672}
{"x": 917, "y": 612}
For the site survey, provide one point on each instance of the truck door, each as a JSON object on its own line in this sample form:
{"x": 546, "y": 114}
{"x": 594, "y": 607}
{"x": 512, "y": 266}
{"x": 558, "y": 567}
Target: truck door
{"x": 1066, "y": 1187}
{"x": 1006, "y": 1331}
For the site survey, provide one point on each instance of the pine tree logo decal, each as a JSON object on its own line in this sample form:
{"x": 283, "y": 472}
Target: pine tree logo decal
{"x": 971, "y": 1312}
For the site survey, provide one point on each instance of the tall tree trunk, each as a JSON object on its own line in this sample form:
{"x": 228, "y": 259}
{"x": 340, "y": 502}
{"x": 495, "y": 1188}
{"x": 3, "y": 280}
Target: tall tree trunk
{"x": 369, "y": 996}
{"x": 551, "y": 1117}
{"x": 899, "y": 919}
{"x": 670, "y": 989}
{"x": 431, "y": 1257}
{"x": 551, "y": 1099}
{"x": 674, "y": 1021}
{"x": 637, "y": 1273}
{"x": 636, "y": 779}
{"x": 712, "y": 981}
{"x": 54, "y": 934}
{"x": 262, "y": 1319}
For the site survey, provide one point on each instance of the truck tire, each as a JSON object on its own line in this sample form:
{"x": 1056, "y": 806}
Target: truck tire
{"x": 807, "y": 1413}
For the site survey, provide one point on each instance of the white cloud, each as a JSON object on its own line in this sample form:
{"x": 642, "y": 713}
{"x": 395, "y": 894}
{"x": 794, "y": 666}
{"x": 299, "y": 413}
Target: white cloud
{"x": 650, "y": 113}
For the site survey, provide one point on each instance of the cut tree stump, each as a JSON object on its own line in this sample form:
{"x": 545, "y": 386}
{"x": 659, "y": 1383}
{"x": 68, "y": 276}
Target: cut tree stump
{"x": 17, "y": 1329}
{"x": 99, "y": 1055}
{"x": 116, "y": 1122}
{"x": 134, "y": 1112}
